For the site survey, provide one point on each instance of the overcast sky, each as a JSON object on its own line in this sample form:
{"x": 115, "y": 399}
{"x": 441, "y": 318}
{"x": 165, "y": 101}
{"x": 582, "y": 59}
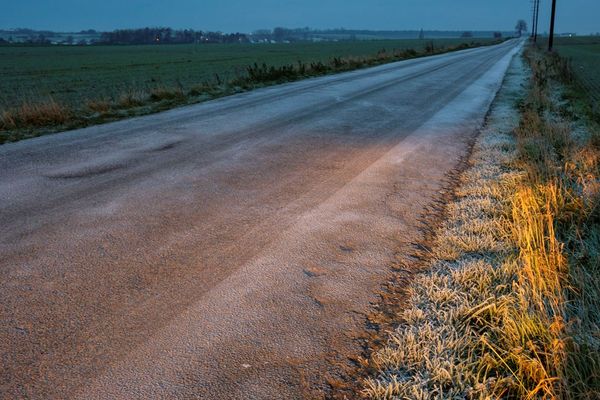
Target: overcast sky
{"x": 582, "y": 16}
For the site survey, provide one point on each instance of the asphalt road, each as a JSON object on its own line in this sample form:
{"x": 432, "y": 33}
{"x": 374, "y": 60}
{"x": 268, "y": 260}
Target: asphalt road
{"x": 229, "y": 249}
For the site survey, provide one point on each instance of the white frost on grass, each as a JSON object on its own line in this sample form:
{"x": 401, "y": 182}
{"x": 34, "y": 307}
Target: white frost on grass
{"x": 435, "y": 352}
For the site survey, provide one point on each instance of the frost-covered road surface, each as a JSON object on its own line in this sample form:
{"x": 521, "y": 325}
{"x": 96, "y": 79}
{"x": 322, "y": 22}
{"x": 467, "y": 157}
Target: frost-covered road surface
{"x": 229, "y": 249}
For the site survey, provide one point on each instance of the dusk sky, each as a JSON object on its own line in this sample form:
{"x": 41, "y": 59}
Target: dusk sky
{"x": 580, "y": 16}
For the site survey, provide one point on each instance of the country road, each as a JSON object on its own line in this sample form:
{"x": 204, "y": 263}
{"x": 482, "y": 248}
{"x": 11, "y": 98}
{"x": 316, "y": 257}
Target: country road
{"x": 229, "y": 249}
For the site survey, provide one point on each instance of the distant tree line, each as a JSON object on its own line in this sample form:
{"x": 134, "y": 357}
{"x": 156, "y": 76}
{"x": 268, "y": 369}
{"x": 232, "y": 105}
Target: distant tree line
{"x": 281, "y": 34}
{"x": 164, "y": 35}
{"x": 40, "y": 39}
{"x": 31, "y": 32}
{"x": 168, "y": 36}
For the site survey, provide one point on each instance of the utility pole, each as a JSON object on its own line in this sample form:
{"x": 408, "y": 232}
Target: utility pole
{"x": 537, "y": 19}
{"x": 533, "y": 2}
{"x": 551, "y": 40}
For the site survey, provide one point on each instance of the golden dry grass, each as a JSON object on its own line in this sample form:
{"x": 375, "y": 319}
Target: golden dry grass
{"x": 167, "y": 93}
{"x": 30, "y": 113}
{"x": 99, "y": 105}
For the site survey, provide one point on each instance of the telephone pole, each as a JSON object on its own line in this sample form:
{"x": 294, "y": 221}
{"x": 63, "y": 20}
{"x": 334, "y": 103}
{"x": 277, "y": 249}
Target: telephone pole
{"x": 533, "y": 17}
{"x": 551, "y": 40}
{"x": 536, "y": 18}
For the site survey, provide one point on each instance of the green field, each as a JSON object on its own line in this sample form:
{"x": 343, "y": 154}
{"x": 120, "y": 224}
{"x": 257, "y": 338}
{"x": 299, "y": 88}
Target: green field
{"x": 47, "y": 89}
{"x": 72, "y": 73}
{"x": 584, "y": 53}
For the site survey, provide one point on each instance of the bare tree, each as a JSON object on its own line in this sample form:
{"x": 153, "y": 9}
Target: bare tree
{"x": 521, "y": 27}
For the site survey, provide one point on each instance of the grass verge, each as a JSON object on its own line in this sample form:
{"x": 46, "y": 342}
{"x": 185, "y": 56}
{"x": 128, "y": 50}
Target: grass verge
{"x": 508, "y": 305}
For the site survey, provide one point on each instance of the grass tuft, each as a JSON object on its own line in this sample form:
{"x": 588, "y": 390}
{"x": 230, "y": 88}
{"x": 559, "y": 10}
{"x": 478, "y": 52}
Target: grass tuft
{"x": 99, "y": 105}
{"x": 132, "y": 98}
{"x": 32, "y": 114}
{"x": 167, "y": 93}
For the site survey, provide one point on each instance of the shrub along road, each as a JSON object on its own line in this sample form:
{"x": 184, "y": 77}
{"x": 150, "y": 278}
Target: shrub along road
{"x": 228, "y": 249}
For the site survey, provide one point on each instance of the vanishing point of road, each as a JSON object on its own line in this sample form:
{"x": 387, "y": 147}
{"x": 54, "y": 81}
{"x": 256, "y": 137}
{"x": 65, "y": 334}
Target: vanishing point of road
{"x": 229, "y": 249}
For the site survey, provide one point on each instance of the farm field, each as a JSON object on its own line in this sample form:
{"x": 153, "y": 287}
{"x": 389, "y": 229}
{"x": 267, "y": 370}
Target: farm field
{"x": 47, "y": 89}
{"x": 73, "y": 74}
{"x": 584, "y": 53}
